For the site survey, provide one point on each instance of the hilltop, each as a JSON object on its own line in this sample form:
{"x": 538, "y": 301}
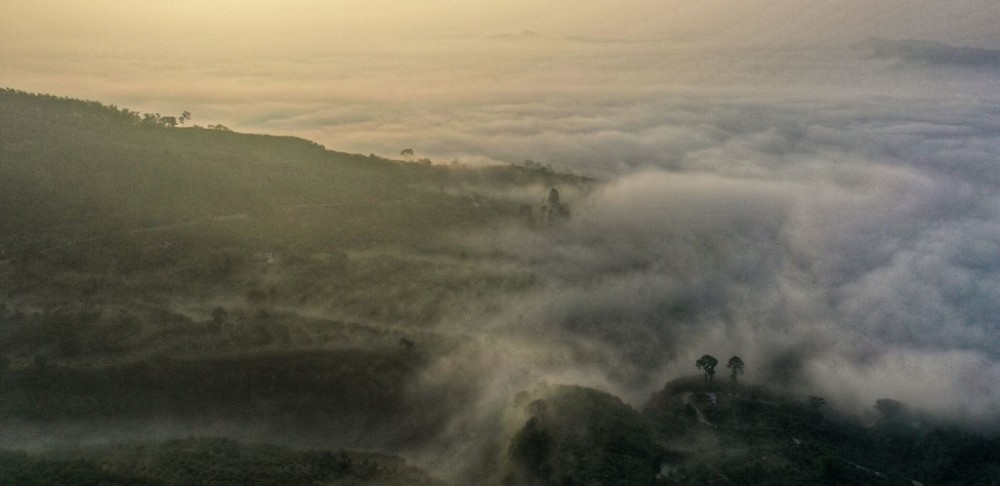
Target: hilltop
{"x": 693, "y": 432}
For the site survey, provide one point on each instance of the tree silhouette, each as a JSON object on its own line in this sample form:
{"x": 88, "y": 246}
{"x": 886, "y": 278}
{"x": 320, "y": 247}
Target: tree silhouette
{"x": 553, "y": 197}
{"x": 554, "y": 210}
{"x": 736, "y": 364}
{"x": 406, "y": 152}
{"x": 707, "y": 363}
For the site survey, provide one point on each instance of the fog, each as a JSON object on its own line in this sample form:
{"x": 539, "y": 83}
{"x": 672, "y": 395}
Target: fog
{"x": 778, "y": 185}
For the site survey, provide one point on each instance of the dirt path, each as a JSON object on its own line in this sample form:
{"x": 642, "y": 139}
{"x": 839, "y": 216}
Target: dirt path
{"x": 701, "y": 417}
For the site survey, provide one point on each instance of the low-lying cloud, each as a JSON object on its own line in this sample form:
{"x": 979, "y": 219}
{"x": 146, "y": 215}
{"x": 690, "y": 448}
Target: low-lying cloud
{"x": 858, "y": 235}
{"x": 931, "y": 52}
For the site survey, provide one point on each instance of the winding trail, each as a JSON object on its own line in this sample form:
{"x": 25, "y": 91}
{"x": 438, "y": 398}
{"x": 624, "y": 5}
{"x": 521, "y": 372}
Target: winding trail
{"x": 701, "y": 417}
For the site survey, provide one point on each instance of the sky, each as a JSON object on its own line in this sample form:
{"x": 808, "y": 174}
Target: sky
{"x": 812, "y": 184}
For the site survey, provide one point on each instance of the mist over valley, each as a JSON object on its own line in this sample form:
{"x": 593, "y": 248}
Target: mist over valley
{"x": 500, "y": 245}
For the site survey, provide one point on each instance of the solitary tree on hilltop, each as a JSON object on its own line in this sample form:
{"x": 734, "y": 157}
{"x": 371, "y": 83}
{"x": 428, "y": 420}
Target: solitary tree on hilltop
{"x": 736, "y": 364}
{"x": 553, "y": 197}
{"x": 554, "y": 210}
{"x": 707, "y": 363}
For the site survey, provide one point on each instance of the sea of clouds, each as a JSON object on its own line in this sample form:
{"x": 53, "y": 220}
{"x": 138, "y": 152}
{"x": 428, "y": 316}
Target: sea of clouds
{"x": 834, "y": 221}
{"x": 787, "y": 188}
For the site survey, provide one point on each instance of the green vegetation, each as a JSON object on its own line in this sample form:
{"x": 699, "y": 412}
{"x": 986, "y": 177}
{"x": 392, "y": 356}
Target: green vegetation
{"x": 156, "y": 273}
{"x": 707, "y": 363}
{"x": 106, "y": 219}
{"x": 577, "y": 435}
{"x": 696, "y": 433}
{"x": 77, "y": 170}
{"x": 205, "y": 461}
{"x": 751, "y": 435}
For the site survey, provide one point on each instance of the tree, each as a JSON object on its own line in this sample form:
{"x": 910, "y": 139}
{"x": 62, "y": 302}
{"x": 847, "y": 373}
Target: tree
{"x": 707, "y": 363}
{"x": 736, "y": 364}
{"x": 554, "y": 210}
{"x": 185, "y": 116}
{"x": 406, "y": 153}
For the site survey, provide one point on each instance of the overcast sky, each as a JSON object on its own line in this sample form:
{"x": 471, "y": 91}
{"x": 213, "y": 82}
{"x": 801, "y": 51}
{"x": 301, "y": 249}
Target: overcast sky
{"x": 778, "y": 187}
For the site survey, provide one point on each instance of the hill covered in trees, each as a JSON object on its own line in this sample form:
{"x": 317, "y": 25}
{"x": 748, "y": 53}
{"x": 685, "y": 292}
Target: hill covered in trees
{"x": 112, "y": 213}
{"x": 81, "y": 169}
{"x": 692, "y": 432}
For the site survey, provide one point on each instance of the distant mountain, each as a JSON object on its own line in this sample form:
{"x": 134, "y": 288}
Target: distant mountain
{"x": 931, "y": 52}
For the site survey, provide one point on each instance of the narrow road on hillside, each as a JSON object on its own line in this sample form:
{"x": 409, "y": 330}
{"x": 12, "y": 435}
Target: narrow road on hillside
{"x": 701, "y": 417}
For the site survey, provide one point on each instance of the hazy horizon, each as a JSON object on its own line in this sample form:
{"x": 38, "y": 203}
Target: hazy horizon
{"x": 490, "y": 82}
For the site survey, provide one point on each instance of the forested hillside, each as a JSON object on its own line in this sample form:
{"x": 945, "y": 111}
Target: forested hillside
{"x": 82, "y": 169}
{"x": 99, "y": 203}
{"x": 161, "y": 280}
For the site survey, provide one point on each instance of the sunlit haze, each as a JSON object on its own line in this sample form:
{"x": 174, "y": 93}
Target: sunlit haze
{"x": 466, "y": 80}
